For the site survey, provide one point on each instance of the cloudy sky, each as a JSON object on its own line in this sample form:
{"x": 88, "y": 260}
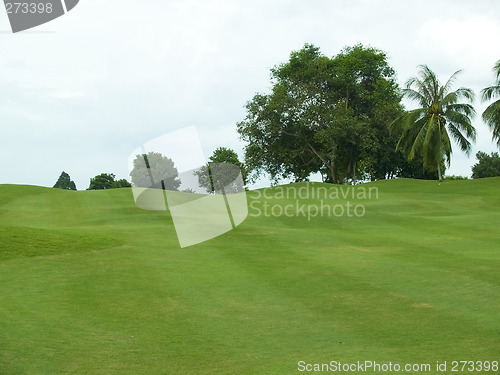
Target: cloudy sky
{"x": 82, "y": 92}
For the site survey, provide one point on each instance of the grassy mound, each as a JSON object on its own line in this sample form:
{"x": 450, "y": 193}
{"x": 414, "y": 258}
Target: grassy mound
{"x": 91, "y": 284}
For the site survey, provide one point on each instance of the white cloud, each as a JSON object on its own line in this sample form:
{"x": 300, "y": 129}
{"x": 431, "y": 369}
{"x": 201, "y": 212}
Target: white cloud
{"x": 66, "y": 94}
{"x": 453, "y": 44}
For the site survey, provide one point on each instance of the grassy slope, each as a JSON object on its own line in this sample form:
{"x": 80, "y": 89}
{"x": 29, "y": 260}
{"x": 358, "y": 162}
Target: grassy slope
{"x": 91, "y": 284}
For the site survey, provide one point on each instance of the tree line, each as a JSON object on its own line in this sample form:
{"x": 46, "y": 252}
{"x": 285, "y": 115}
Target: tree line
{"x": 487, "y": 166}
{"x": 342, "y": 117}
{"x": 99, "y": 182}
{"x": 155, "y": 170}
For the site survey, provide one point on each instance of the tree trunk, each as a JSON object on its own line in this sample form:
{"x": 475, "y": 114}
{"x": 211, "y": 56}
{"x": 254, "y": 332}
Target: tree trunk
{"x": 439, "y": 172}
{"x": 330, "y": 166}
{"x": 354, "y": 174}
{"x": 333, "y": 174}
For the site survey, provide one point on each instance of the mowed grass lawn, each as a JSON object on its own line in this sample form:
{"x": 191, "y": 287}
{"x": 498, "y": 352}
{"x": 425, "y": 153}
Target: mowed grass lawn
{"x": 90, "y": 284}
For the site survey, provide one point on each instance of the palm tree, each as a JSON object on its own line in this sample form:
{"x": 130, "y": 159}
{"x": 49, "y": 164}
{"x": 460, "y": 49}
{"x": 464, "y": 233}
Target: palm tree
{"x": 426, "y": 131}
{"x": 491, "y": 115}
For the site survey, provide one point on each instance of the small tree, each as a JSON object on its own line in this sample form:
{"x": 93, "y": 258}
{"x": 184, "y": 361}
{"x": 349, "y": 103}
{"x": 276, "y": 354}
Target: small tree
{"x": 102, "y": 182}
{"x": 221, "y": 165}
{"x": 65, "y": 182}
{"x": 324, "y": 115}
{"x": 155, "y": 170}
{"x": 487, "y": 166}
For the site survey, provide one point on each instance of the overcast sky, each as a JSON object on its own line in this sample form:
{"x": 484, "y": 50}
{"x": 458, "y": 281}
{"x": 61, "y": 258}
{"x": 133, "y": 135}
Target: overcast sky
{"x": 82, "y": 92}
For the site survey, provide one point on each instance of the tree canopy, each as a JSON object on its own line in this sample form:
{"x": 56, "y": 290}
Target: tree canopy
{"x": 325, "y": 115}
{"x": 154, "y": 170}
{"x": 227, "y": 155}
{"x": 64, "y": 182}
{"x": 227, "y": 167}
{"x": 487, "y": 165}
{"x": 122, "y": 183}
{"x": 107, "y": 181}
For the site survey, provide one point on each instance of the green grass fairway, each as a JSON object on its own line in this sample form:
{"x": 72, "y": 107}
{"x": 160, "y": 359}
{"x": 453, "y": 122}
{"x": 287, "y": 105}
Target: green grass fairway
{"x": 90, "y": 284}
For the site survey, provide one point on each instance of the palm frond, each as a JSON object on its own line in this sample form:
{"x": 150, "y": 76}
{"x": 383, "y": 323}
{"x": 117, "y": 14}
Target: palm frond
{"x": 496, "y": 70}
{"x": 411, "y": 140}
{"x": 459, "y": 138}
{"x": 462, "y": 123}
{"x": 453, "y": 97}
{"x": 426, "y": 140}
{"x": 406, "y": 127}
{"x": 491, "y": 116}
{"x": 466, "y": 93}
{"x": 416, "y": 90}
{"x": 430, "y": 82}
{"x": 431, "y": 149}
{"x": 463, "y": 108}
{"x": 448, "y": 85}
{"x": 490, "y": 92}
{"x": 446, "y": 148}
{"x": 450, "y": 99}
{"x": 415, "y": 96}
{"x": 431, "y": 127}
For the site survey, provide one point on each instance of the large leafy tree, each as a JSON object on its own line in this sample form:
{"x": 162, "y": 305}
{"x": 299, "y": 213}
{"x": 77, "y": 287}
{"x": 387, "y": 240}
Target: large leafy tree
{"x": 324, "y": 115}
{"x": 425, "y": 131}
{"x": 491, "y": 115}
{"x": 279, "y": 127}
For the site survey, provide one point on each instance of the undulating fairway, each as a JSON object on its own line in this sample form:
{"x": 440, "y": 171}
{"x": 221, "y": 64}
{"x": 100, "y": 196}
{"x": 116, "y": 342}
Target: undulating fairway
{"x": 90, "y": 284}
